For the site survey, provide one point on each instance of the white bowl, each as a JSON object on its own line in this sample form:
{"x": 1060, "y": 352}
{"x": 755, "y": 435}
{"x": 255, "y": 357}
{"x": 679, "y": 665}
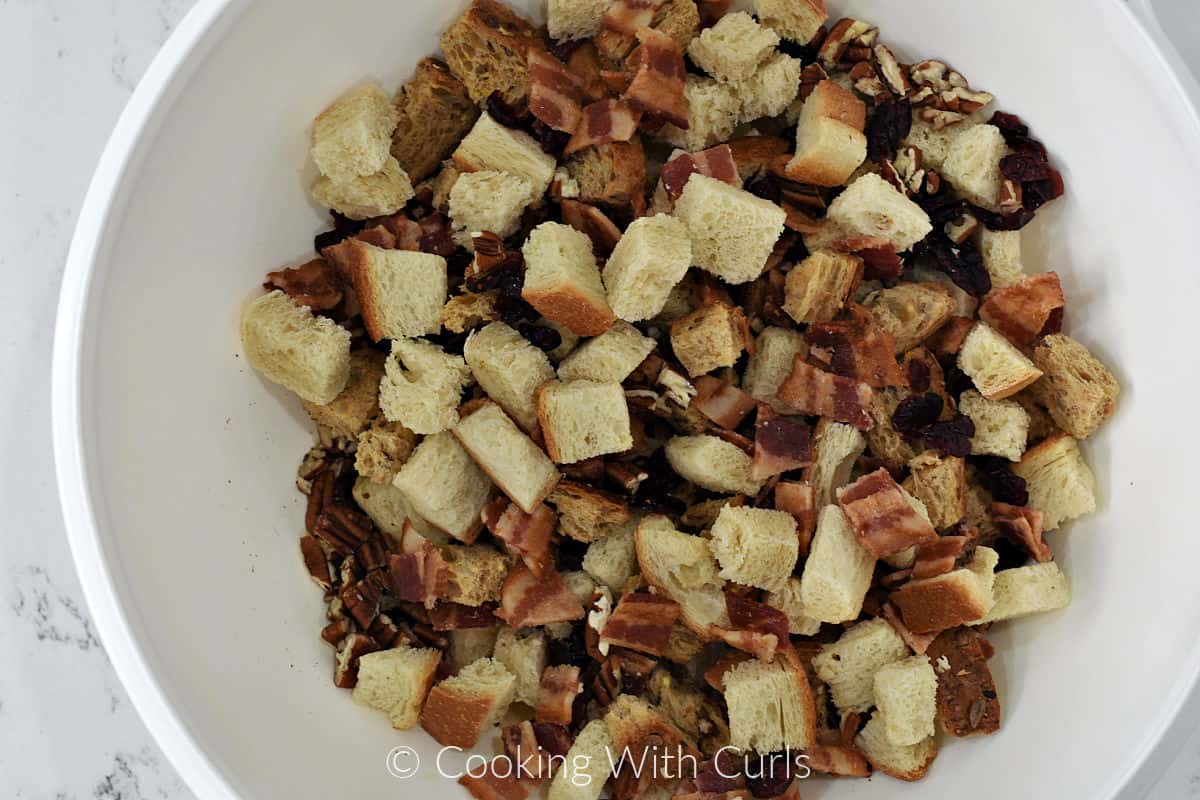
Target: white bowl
{"x": 176, "y": 461}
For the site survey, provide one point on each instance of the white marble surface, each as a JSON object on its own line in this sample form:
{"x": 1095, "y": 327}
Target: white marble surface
{"x": 67, "y": 729}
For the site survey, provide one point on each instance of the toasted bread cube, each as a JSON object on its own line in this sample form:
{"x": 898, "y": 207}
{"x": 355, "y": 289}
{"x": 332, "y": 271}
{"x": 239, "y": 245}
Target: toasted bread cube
{"x": 290, "y": 346}
{"x": 465, "y": 312}
{"x": 959, "y": 597}
{"x": 569, "y": 20}
{"x": 1061, "y": 484}
{"x": 838, "y": 571}
{"x": 713, "y": 463}
{"x": 755, "y": 546}
{"x": 612, "y": 560}
{"x": 612, "y": 174}
{"x": 830, "y": 144}
{"x": 609, "y": 358}
{"x": 587, "y": 767}
{"x": 790, "y": 601}
{"x": 508, "y": 456}
{"x": 873, "y": 207}
{"x": 848, "y": 666}
{"x": 836, "y": 448}
{"x": 582, "y": 419}
{"x": 795, "y": 20}
{"x": 352, "y": 410}
{"x": 683, "y": 568}
{"x": 395, "y": 681}
{"x": 714, "y": 112}
{"x": 911, "y": 312}
{"x": 1077, "y": 389}
{"x": 775, "y": 350}
{"x": 1032, "y": 589}
{"x": 445, "y": 486}
{"x": 770, "y": 707}
{"x": 906, "y": 696}
{"x": 649, "y": 260}
{"x": 972, "y": 165}
{"x": 376, "y": 195}
{"x": 771, "y": 89}
{"x": 733, "y": 49}
{"x": 1001, "y": 252}
{"x": 934, "y": 144}
{"x": 708, "y": 338}
{"x": 1001, "y": 426}
{"x": 487, "y": 47}
{"x": 562, "y": 280}
{"x": 884, "y": 440}
{"x": 819, "y": 286}
{"x": 488, "y": 201}
{"x": 401, "y": 292}
{"x": 996, "y": 367}
{"x": 587, "y": 514}
{"x": 906, "y": 763}
{"x": 383, "y": 448}
{"x": 491, "y": 146}
{"x": 733, "y": 232}
{"x": 389, "y": 509}
{"x": 524, "y": 653}
{"x": 509, "y": 369}
{"x": 422, "y": 385}
{"x": 939, "y": 483}
{"x": 460, "y": 708}
{"x": 435, "y": 113}
{"x": 353, "y": 137}
{"x": 474, "y": 575}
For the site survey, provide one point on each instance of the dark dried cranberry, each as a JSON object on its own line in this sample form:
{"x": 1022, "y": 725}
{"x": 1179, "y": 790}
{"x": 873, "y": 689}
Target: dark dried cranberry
{"x": 994, "y": 221}
{"x": 942, "y": 206}
{"x": 514, "y": 310}
{"x": 554, "y": 739}
{"x": 563, "y": 50}
{"x": 952, "y": 437}
{"x": 553, "y": 142}
{"x": 502, "y": 112}
{"x": 570, "y": 555}
{"x": 919, "y": 377}
{"x": 916, "y": 413}
{"x": 998, "y": 478}
{"x": 766, "y": 187}
{"x": 721, "y": 774}
{"x": 541, "y": 336}
{"x": 962, "y": 262}
{"x": 1009, "y": 124}
{"x": 807, "y": 53}
{"x": 450, "y": 342}
{"x": 1022, "y": 167}
{"x": 887, "y": 127}
{"x": 1029, "y": 147}
{"x": 343, "y": 228}
{"x": 771, "y": 776}
{"x": 1037, "y": 193}
{"x": 571, "y": 649}
{"x": 1012, "y": 554}
{"x": 957, "y": 381}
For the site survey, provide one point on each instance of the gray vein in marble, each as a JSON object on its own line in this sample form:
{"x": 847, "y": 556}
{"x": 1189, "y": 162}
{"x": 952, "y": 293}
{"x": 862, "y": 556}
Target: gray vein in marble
{"x": 55, "y": 616}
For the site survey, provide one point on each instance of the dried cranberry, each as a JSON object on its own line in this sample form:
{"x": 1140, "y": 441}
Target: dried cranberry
{"x": 554, "y": 739}
{"x": 998, "y": 478}
{"x": 500, "y": 110}
{"x": 952, "y": 437}
{"x": 771, "y": 776}
{"x": 957, "y": 381}
{"x": 1009, "y": 124}
{"x": 450, "y": 342}
{"x": 916, "y": 413}
{"x": 553, "y": 142}
{"x": 570, "y": 555}
{"x": 807, "y": 53}
{"x": 1037, "y": 193}
{"x": 571, "y": 649}
{"x": 514, "y": 310}
{"x": 1014, "y": 221}
{"x": 1030, "y": 147}
{"x": 540, "y": 336}
{"x": 919, "y": 377}
{"x": 887, "y": 127}
{"x": 766, "y": 187}
{"x": 721, "y": 774}
{"x": 1022, "y": 167}
{"x": 962, "y": 262}
{"x": 942, "y": 206}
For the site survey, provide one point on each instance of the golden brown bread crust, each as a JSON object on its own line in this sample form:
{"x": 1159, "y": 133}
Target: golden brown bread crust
{"x": 436, "y": 112}
{"x": 565, "y": 304}
{"x": 813, "y": 167}
{"x": 611, "y": 174}
{"x": 453, "y": 719}
{"x": 487, "y": 48}
{"x": 543, "y": 415}
{"x": 795, "y": 665}
{"x": 353, "y": 257}
{"x": 753, "y": 154}
{"x": 937, "y": 604}
{"x": 910, "y": 776}
{"x": 587, "y": 514}
{"x": 836, "y": 102}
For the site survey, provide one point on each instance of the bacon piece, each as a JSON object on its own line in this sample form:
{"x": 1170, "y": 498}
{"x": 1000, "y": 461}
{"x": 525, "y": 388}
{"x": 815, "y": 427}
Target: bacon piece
{"x": 642, "y": 622}
{"x": 721, "y": 401}
{"x": 967, "y": 701}
{"x": 527, "y": 760}
{"x": 837, "y": 760}
{"x": 420, "y": 574}
{"x": 602, "y": 122}
{"x": 1027, "y": 310}
{"x": 527, "y": 601}
{"x": 815, "y": 391}
{"x": 447, "y": 616}
{"x": 554, "y": 739}
{"x": 406, "y": 232}
{"x": 315, "y": 284}
{"x": 756, "y": 627}
{"x": 492, "y": 513}
{"x": 781, "y": 444}
{"x": 630, "y": 16}
{"x": 856, "y": 347}
{"x": 559, "y": 687}
{"x": 917, "y": 642}
{"x": 949, "y": 339}
{"x": 593, "y": 222}
{"x": 379, "y": 236}
{"x": 584, "y": 64}
{"x": 799, "y": 500}
{"x": 938, "y": 557}
{"x": 657, "y": 86}
{"x": 711, "y": 11}
{"x": 881, "y": 517}
{"x": 1024, "y": 525}
{"x": 716, "y": 162}
{"x": 527, "y": 535}
{"x": 554, "y": 93}
{"x": 880, "y": 260}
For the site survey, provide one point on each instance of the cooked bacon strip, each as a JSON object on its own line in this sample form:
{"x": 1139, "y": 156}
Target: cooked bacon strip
{"x": 528, "y": 760}
{"x": 881, "y": 518}
{"x": 711, "y": 11}
{"x": 406, "y": 232}
{"x": 657, "y": 86}
{"x": 917, "y": 642}
{"x": 315, "y": 284}
{"x": 799, "y": 500}
{"x": 603, "y": 122}
{"x": 756, "y": 627}
{"x": 492, "y": 513}
{"x": 447, "y": 616}
{"x": 630, "y": 16}
{"x": 837, "y": 760}
{"x": 559, "y": 687}
{"x": 642, "y": 622}
{"x": 721, "y": 401}
{"x": 527, "y": 601}
{"x": 527, "y": 535}
{"x": 1027, "y": 310}
{"x": 716, "y": 162}
{"x": 856, "y": 347}
{"x": 593, "y": 222}
{"x": 813, "y": 391}
{"x": 938, "y": 557}
{"x": 967, "y": 702}
{"x": 781, "y": 444}
{"x": 1023, "y": 525}
{"x": 379, "y": 236}
{"x": 419, "y": 575}
{"x": 555, "y": 95}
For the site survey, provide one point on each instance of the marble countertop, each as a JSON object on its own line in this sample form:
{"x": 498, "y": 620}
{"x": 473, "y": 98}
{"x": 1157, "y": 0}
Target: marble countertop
{"x": 67, "y": 728}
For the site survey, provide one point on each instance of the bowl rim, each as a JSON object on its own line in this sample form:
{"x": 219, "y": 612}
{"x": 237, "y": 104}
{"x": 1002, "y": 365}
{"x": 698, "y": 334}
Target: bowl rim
{"x": 179, "y": 56}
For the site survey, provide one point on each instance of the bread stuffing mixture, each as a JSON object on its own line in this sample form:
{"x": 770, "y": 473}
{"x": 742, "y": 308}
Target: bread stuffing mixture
{"x": 680, "y": 389}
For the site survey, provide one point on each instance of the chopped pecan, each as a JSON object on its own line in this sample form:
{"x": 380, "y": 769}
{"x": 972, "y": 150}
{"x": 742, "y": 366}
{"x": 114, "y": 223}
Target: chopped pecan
{"x": 315, "y": 284}
{"x": 592, "y": 222}
{"x": 339, "y": 629}
{"x": 341, "y": 529}
{"x": 362, "y": 601}
{"x": 316, "y": 562}
{"x": 345, "y": 660}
